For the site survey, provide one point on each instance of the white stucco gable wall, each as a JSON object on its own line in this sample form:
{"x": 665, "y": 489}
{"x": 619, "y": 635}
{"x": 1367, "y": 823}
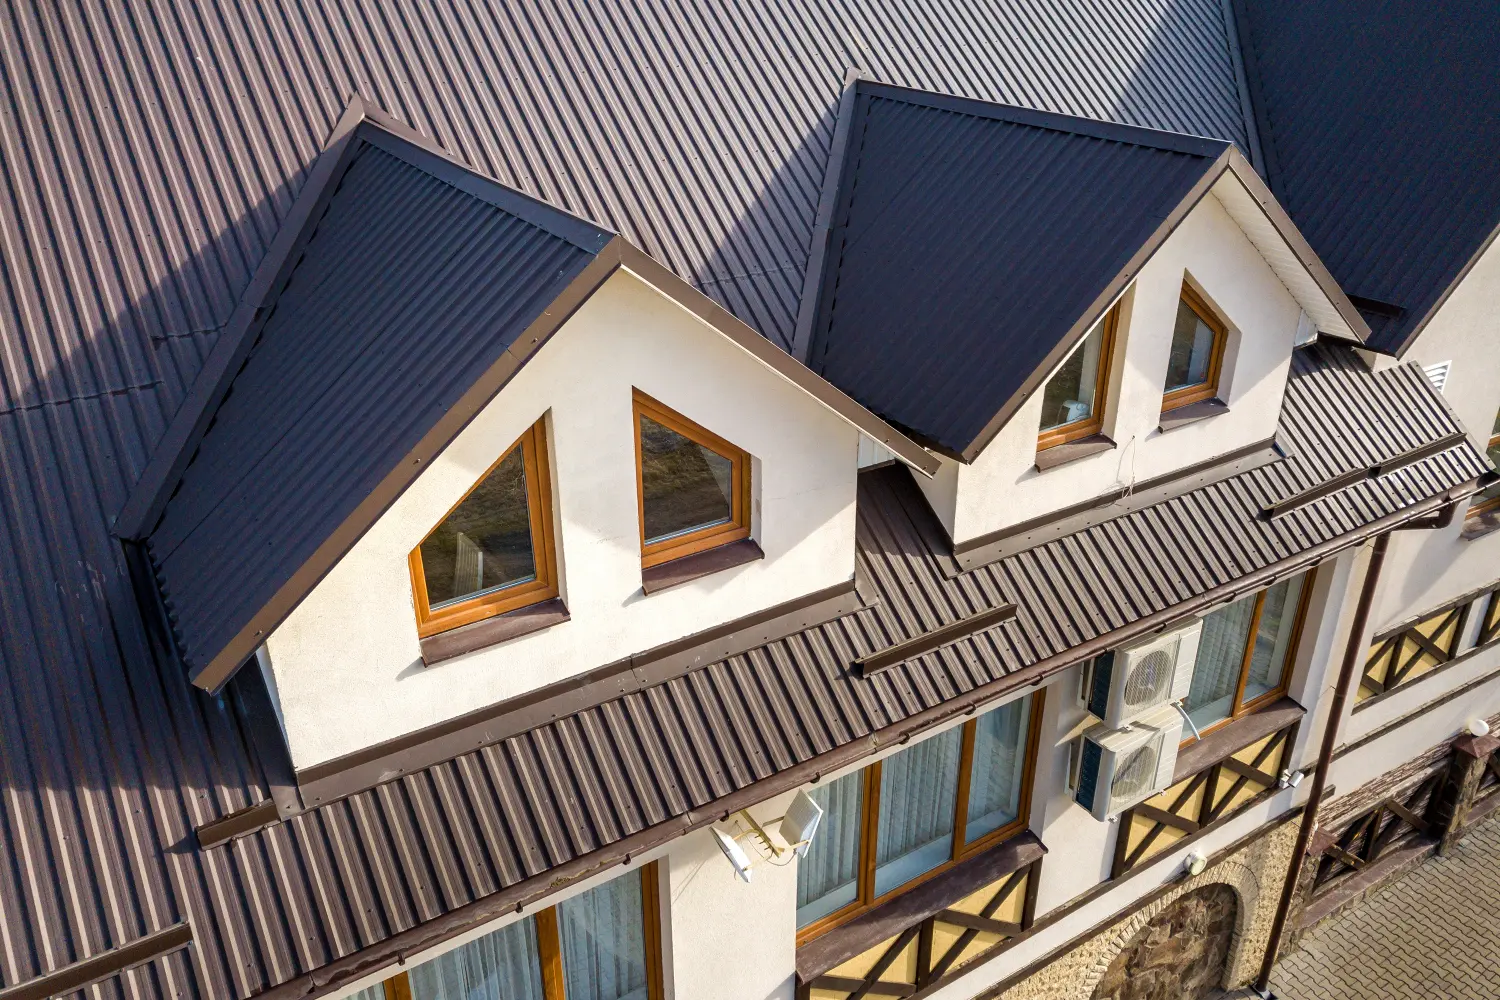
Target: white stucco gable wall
{"x": 347, "y": 662}
{"x": 1003, "y": 486}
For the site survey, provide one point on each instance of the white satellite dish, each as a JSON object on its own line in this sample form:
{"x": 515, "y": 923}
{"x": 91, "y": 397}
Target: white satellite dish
{"x": 734, "y": 852}
{"x": 800, "y": 825}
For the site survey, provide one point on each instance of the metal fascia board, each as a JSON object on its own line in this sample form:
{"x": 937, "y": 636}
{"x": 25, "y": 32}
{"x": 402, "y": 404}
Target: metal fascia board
{"x": 217, "y": 672}
{"x": 149, "y": 496}
{"x": 649, "y": 270}
{"x": 1102, "y": 303}
{"x": 1297, "y": 243}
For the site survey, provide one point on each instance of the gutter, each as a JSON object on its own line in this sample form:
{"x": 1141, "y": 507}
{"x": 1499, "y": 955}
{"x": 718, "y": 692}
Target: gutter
{"x": 515, "y": 899}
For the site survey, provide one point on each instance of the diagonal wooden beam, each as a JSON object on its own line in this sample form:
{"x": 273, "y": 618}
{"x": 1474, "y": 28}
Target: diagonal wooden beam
{"x": 974, "y": 921}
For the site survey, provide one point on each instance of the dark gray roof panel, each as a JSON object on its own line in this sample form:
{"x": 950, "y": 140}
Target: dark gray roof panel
{"x": 407, "y": 290}
{"x": 969, "y": 240}
{"x": 1381, "y": 127}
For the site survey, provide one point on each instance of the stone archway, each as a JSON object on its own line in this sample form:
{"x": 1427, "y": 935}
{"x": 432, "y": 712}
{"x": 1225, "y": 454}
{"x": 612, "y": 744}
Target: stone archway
{"x": 1181, "y": 954}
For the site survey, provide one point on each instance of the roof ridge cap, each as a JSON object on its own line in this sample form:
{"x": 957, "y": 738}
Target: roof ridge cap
{"x": 1055, "y": 121}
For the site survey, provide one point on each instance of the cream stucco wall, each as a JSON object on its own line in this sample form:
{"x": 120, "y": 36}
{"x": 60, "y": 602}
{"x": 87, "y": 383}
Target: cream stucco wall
{"x": 346, "y": 662}
{"x": 1003, "y": 487}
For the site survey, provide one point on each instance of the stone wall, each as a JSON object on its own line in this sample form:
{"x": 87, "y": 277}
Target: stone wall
{"x": 1254, "y": 873}
{"x": 1181, "y": 954}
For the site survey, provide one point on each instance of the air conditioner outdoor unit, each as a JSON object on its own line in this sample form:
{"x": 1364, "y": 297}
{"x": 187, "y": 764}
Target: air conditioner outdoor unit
{"x": 1124, "y": 684}
{"x": 1114, "y": 769}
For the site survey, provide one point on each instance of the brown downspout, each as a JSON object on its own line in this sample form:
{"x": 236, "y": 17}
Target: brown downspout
{"x": 1325, "y": 757}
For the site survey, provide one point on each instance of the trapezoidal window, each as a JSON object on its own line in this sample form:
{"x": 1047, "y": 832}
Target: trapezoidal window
{"x": 493, "y": 552}
{"x": 1074, "y": 397}
{"x": 693, "y": 486}
{"x": 1198, "y": 339}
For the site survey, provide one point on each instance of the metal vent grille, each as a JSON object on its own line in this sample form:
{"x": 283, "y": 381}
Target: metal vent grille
{"x": 1150, "y": 678}
{"x": 1134, "y": 776}
{"x": 1438, "y": 374}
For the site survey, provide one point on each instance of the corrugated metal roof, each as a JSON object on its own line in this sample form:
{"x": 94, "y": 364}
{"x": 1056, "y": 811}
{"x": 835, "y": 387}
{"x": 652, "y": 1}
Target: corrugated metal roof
{"x": 106, "y": 778}
{"x": 969, "y": 241}
{"x": 408, "y": 288}
{"x": 1381, "y": 130}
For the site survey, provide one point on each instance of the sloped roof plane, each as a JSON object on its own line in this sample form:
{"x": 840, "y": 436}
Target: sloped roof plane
{"x": 973, "y": 244}
{"x": 1381, "y": 130}
{"x": 406, "y": 292}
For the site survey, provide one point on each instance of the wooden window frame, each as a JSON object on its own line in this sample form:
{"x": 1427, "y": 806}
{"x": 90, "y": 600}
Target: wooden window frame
{"x": 865, "y": 900}
{"x": 1487, "y": 504}
{"x": 692, "y": 542}
{"x": 1094, "y": 422}
{"x": 1209, "y": 388}
{"x": 549, "y": 947}
{"x": 533, "y": 444}
{"x": 1241, "y": 708}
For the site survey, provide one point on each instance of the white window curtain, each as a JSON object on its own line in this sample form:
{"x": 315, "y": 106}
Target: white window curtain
{"x": 603, "y": 937}
{"x": 998, "y": 768}
{"x": 1221, "y": 653}
{"x": 918, "y": 804}
{"x": 503, "y": 965}
{"x": 828, "y": 873}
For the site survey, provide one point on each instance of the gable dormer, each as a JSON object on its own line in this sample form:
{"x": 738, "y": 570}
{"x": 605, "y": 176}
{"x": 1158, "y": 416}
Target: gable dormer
{"x": 1067, "y": 310}
{"x": 463, "y": 446}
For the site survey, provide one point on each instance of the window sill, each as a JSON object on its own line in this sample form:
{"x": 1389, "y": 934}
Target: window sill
{"x": 885, "y": 921}
{"x": 492, "y": 631}
{"x": 1073, "y": 451}
{"x": 1479, "y": 525}
{"x": 700, "y": 564}
{"x": 1228, "y": 740}
{"x": 1191, "y": 414}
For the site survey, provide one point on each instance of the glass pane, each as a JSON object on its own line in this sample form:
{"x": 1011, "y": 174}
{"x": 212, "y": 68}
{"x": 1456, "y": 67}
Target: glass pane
{"x": 684, "y": 486}
{"x": 1069, "y": 394}
{"x": 1493, "y": 451}
{"x": 504, "y": 965}
{"x": 485, "y": 544}
{"x": 918, "y": 803}
{"x": 1192, "y": 349}
{"x": 603, "y": 937}
{"x": 999, "y": 768}
{"x": 1273, "y": 637}
{"x": 828, "y": 874}
{"x": 376, "y": 992}
{"x": 1221, "y": 653}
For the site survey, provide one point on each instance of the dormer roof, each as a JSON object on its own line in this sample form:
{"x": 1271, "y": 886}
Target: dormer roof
{"x": 972, "y": 245}
{"x": 402, "y": 294}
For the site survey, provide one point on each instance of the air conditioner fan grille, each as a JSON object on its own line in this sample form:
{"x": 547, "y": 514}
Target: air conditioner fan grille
{"x": 1135, "y": 774}
{"x": 1150, "y": 679}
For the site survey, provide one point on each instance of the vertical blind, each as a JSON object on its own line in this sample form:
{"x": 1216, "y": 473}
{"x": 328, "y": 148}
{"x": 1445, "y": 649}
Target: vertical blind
{"x": 604, "y": 942}
{"x": 918, "y": 803}
{"x": 502, "y": 965}
{"x": 828, "y": 872}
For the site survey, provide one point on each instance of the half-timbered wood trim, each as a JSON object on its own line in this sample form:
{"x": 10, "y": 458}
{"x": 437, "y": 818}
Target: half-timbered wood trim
{"x": 1395, "y": 656}
{"x": 1386, "y": 826}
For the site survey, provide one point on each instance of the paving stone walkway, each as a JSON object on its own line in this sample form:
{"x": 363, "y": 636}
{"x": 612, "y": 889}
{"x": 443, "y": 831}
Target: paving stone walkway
{"x": 1435, "y": 932}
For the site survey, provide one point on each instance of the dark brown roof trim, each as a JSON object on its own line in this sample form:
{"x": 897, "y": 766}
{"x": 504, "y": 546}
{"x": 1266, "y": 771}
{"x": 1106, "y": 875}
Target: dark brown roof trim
{"x": 71, "y": 978}
{"x": 890, "y": 918}
{"x": 515, "y": 898}
{"x": 664, "y": 576}
{"x": 648, "y": 269}
{"x": 864, "y": 666}
{"x": 1117, "y": 502}
{"x": 1442, "y": 300}
{"x": 1350, "y": 478}
{"x": 237, "y": 824}
{"x": 391, "y": 759}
